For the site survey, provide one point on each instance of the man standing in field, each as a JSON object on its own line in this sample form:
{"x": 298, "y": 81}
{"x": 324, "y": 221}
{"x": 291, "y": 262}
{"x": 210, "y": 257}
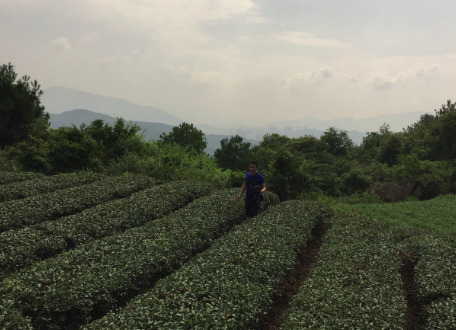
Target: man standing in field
{"x": 254, "y": 184}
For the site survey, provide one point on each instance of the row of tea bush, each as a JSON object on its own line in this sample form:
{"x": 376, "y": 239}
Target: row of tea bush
{"x": 77, "y": 285}
{"x": 23, "y": 247}
{"x": 355, "y": 283}
{"x": 230, "y": 285}
{"x": 36, "y": 209}
{"x": 24, "y": 189}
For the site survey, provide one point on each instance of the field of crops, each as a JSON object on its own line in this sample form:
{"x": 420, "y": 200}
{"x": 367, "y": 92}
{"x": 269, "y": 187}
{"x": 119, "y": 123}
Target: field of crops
{"x": 91, "y": 252}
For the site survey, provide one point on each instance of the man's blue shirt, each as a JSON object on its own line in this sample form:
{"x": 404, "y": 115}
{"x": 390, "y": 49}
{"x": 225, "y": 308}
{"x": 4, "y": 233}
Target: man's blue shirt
{"x": 252, "y": 181}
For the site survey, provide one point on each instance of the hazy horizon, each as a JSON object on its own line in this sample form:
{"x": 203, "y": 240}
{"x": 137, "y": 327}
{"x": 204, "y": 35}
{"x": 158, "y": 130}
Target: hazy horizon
{"x": 208, "y": 61}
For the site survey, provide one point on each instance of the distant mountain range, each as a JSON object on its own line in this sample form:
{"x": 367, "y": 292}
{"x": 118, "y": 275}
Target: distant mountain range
{"x": 152, "y": 130}
{"x": 61, "y": 101}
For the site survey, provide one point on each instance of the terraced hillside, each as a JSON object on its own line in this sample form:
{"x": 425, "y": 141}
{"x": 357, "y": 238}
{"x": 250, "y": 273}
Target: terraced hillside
{"x": 92, "y": 252}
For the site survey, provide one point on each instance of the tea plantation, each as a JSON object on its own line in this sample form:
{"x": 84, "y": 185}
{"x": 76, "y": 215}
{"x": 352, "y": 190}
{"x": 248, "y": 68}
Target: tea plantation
{"x": 85, "y": 251}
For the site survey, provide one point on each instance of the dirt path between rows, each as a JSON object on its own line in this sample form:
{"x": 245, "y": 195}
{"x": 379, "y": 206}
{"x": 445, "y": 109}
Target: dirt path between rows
{"x": 274, "y": 319}
{"x": 414, "y": 317}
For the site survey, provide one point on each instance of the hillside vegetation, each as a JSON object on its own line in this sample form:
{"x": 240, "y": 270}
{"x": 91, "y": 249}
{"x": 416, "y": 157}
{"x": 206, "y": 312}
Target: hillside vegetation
{"x": 416, "y": 163}
{"x": 100, "y": 229}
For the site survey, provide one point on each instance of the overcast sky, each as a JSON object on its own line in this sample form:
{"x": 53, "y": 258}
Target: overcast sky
{"x": 241, "y": 60}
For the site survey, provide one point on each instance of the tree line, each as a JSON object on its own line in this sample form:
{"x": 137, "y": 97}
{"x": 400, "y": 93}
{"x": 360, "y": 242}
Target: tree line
{"x": 417, "y": 163}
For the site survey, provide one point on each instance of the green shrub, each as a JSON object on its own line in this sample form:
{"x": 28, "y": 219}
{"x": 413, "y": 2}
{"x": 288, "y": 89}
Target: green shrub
{"x": 355, "y": 283}
{"x": 94, "y": 277}
{"x": 19, "y": 190}
{"x": 355, "y": 181}
{"x": 29, "y": 211}
{"x": 10, "y": 177}
{"x": 169, "y": 162}
{"x": 23, "y": 247}
{"x": 392, "y": 191}
{"x": 231, "y": 284}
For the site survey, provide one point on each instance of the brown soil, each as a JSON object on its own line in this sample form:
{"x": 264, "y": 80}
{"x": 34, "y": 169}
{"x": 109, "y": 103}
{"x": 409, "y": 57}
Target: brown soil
{"x": 414, "y": 317}
{"x": 274, "y": 319}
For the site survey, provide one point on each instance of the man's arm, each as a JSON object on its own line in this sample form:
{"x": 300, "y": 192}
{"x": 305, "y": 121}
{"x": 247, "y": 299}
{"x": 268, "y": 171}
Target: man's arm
{"x": 263, "y": 188}
{"x": 242, "y": 191}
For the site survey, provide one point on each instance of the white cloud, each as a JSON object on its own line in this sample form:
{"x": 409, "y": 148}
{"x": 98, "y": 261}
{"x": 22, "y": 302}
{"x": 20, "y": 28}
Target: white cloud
{"x": 176, "y": 25}
{"x": 308, "y": 39}
{"x": 382, "y": 81}
{"x": 61, "y": 44}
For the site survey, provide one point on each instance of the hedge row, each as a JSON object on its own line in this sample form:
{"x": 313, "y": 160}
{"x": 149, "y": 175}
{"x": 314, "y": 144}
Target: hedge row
{"x": 94, "y": 278}
{"x": 355, "y": 283}
{"x": 10, "y": 177}
{"x": 36, "y": 209}
{"x": 45, "y": 185}
{"x": 435, "y": 277}
{"x": 23, "y": 247}
{"x": 229, "y": 285}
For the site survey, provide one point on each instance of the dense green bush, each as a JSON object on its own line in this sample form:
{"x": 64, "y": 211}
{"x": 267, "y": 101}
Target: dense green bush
{"x": 45, "y": 185}
{"x": 94, "y": 277}
{"x": 32, "y": 210}
{"x": 169, "y": 162}
{"x": 11, "y": 177}
{"x": 355, "y": 283}
{"x": 231, "y": 284}
{"x": 355, "y": 181}
{"x": 21, "y": 248}
{"x": 72, "y": 149}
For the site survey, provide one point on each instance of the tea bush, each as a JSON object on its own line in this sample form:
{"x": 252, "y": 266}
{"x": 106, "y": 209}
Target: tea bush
{"x": 355, "y": 283}
{"x": 29, "y": 211}
{"x": 435, "y": 277}
{"x": 10, "y": 177}
{"x": 441, "y": 314}
{"x": 229, "y": 285}
{"x": 23, "y": 247}
{"x": 45, "y": 185}
{"x": 437, "y": 214}
{"x": 91, "y": 279}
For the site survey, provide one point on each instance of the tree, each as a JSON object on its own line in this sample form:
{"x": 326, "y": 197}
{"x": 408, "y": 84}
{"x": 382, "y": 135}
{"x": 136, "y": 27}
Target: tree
{"x": 114, "y": 141}
{"x": 20, "y": 107}
{"x": 443, "y": 135}
{"x": 186, "y": 135}
{"x": 233, "y": 154}
{"x": 287, "y": 179}
{"x": 72, "y": 149}
{"x": 274, "y": 141}
{"x": 391, "y": 146}
{"x": 338, "y": 142}
{"x": 308, "y": 144}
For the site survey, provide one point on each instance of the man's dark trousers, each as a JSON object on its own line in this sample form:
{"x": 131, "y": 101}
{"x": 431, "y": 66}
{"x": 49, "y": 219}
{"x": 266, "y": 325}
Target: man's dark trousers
{"x": 252, "y": 206}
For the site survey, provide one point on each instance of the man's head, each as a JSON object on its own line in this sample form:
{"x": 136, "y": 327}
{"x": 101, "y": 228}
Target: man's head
{"x": 253, "y": 166}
